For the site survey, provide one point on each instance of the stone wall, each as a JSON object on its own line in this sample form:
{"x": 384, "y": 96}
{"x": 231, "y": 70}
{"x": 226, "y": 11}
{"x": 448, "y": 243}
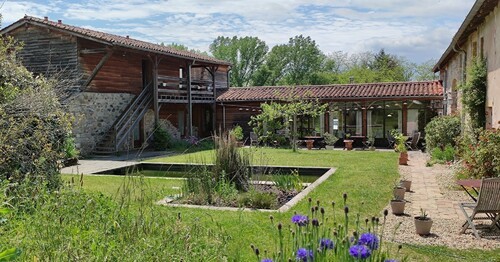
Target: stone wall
{"x": 95, "y": 114}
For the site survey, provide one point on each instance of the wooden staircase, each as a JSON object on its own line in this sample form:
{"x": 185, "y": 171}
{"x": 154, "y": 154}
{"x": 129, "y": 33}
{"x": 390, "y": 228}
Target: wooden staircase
{"x": 122, "y": 128}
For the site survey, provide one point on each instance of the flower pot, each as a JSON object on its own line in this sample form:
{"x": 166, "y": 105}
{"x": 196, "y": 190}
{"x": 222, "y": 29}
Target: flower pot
{"x": 406, "y": 184}
{"x": 403, "y": 158}
{"x": 348, "y": 144}
{"x": 371, "y": 148}
{"x": 423, "y": 225}
{"x": 399, "y": 193}
{"x": 309, "y": 144}
{"x": 328, "y": 147}
{"x": 398, "y": 207}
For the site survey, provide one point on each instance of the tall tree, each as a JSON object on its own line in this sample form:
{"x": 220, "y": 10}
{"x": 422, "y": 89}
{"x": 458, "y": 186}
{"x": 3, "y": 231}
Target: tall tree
{"x": 424, "y": 72}
{"x": 304, "y": 59}
{"x": 246, "y": 54}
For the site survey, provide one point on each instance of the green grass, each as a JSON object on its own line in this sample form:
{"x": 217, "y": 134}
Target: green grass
{"x": 367, "y": 178}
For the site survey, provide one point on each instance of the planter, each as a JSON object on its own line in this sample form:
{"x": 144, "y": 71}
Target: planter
{"x": 399, "y": 193}
{"x": 309, "y": 144}
{"x": 371, "y": 148}
{"x": 406, "y": 184}
{"x": 403, "y": 158}
{"x": 423, "y": 225}
{"x": 348, "y": 144}
{"x": 398, "y": 207}
{"x": 329, "y": 147}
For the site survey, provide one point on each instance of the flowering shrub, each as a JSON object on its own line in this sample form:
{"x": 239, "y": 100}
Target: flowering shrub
{"x": 442, "y": 131}
{"x": 308, "y": 238}
{"x": 481, "y": 158}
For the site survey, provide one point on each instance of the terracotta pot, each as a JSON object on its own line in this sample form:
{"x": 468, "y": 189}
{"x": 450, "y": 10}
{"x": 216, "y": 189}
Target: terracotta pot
{"x": 348, "y": 144}
{"x": 328, "y": 147}
{"x": 398, "y": 207}
{"x": 406, "y": 184}
{"x": 399, "y": 193}
{"x": 403, "y": 158}
{"x": 309, "y": 144}
{"x": 423, "y": 226}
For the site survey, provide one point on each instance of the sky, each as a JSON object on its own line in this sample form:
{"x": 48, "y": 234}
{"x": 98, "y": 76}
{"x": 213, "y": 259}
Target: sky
{"x": 416, "y": 29}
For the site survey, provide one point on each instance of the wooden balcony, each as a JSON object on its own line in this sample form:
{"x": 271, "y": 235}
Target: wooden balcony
{"x": 181, "y": 96}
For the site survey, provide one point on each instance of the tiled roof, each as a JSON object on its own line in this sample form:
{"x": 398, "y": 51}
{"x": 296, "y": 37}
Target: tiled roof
{"x": 425, "y": 89}
{"x": 114, "y": 39}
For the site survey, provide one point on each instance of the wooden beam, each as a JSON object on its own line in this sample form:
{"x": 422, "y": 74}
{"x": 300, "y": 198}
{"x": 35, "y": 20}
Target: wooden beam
{"x": 97, "y": 68}
{"x": 93, "y": 51}
{"x": 212, "y": 71}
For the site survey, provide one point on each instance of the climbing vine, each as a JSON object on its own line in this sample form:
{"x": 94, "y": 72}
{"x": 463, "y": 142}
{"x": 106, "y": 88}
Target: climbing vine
{"x": 474, "y": 93}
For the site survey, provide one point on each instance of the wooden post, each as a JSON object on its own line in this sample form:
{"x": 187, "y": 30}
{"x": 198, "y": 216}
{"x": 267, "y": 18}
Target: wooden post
{"x": 190, "y": 102}
{"x": 364, "y": 120}
{"x": 155, "y": 90}
{"x": 214, "y": 105}
{"x": 404, "y": 118}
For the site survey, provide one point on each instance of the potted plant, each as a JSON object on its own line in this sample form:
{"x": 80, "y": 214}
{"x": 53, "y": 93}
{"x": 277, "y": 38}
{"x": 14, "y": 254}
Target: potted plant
{"x": 348, "y": 142}
{"x": 371, "y": 142}
{"x": 330, "y": 140}
{"x": 406, "y": 184}
{"x": 398, "y": 206}
{"x": 399, "y": 191}
{"x": 423, "y": 223}
{"x": 237, "y": 133}
{"x": 401, "y": 148}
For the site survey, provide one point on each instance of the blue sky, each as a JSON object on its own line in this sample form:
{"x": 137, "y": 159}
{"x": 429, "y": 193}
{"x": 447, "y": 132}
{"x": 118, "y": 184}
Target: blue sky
{"x": 419, "y": 30}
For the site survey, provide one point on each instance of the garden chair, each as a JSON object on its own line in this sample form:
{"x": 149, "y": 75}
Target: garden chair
{"x": 391, "y": 140}
{"x": 254, "y": 139}
{"x": 413, "y": 143}
{"x": 488, "y": 204}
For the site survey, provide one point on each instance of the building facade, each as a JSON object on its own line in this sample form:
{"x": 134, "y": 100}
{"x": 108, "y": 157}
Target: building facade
{"x": 367, "y": 110}
{"x": 476, "y": 37}
{"x": 119, "y": 87}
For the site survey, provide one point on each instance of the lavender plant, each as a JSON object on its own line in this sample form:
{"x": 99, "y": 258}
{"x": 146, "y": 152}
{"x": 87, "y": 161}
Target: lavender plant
{"x": 312, "y": 237}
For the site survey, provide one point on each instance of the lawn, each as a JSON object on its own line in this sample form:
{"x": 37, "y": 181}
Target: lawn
{"x": 366, "y": 177}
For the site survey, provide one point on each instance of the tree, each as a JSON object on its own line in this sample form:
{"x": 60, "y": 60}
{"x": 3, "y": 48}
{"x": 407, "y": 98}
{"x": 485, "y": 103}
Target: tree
{"x": 182, "y": 47}
{"x": 34, "y": 129}
{"x": 304, "y": 59}
{"x": 423, "y": 71}
{"x": 246, "y": 54}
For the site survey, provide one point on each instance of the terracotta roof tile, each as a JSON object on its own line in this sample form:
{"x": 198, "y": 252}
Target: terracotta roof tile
{"x": 425, "y": 89}
{"x": 117, "y": 40}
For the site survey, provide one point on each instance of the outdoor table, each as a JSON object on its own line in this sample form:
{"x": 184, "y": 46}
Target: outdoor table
{"x": 474, "y": 184}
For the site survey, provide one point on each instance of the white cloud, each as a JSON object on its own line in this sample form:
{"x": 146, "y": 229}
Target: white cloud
{"x": 417, "y": 29}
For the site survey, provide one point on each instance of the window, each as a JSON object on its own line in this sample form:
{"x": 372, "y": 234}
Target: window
{"x": 474, "y": 49}
{"x": 482, "y": 47}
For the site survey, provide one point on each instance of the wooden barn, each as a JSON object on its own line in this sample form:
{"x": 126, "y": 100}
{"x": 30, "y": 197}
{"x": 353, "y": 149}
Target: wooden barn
{"x": 118, "y": 87}
{"x": 361, "y": 110}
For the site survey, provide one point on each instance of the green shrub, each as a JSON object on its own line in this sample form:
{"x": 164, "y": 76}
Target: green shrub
{"x": 287, "y": 182}
{"x": 441, "y": 156}
{"x": 474, "y": 92}
{"x": 442, "y": 131}
{"x": 237, "y": 132}
{"x": 481, "y": 158}
{"x": 161, "y": 138}
{"x": 256, "y": 199}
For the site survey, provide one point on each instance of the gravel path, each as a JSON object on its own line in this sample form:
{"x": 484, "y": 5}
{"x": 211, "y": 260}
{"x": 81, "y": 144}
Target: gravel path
{"x": 434, "y": 190}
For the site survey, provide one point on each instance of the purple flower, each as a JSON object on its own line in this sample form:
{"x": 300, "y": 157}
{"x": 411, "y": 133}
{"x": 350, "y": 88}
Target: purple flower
{"x": 266, "y": 260}
{"x": 391, "y": 260}
{"x": 359, "y": 251}
{"x": 300, "y": 220}
{"x": 370, "y": 240}
{"x": 304, "y": 255}
{"x": 326, "y": 243}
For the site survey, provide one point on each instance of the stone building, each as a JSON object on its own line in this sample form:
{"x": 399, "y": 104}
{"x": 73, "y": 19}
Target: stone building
{"x": 476, "y": 37}
{"x": 118, "y": 87}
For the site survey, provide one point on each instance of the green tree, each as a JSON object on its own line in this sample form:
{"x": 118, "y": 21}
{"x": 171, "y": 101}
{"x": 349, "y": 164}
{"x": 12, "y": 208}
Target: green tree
{"x": 245, "y": 53}
{"x": 423, "y": 71}
{"x": 304, "y": 59}
{"x": 33, "y": 125}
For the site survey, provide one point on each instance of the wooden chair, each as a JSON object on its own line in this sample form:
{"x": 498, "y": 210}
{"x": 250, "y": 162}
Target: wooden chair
{"x": 488, "y": 204}
{"x": 254, "y": 139}
{"x": 413, "y": 143}
{"x": 391, "y": 140}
